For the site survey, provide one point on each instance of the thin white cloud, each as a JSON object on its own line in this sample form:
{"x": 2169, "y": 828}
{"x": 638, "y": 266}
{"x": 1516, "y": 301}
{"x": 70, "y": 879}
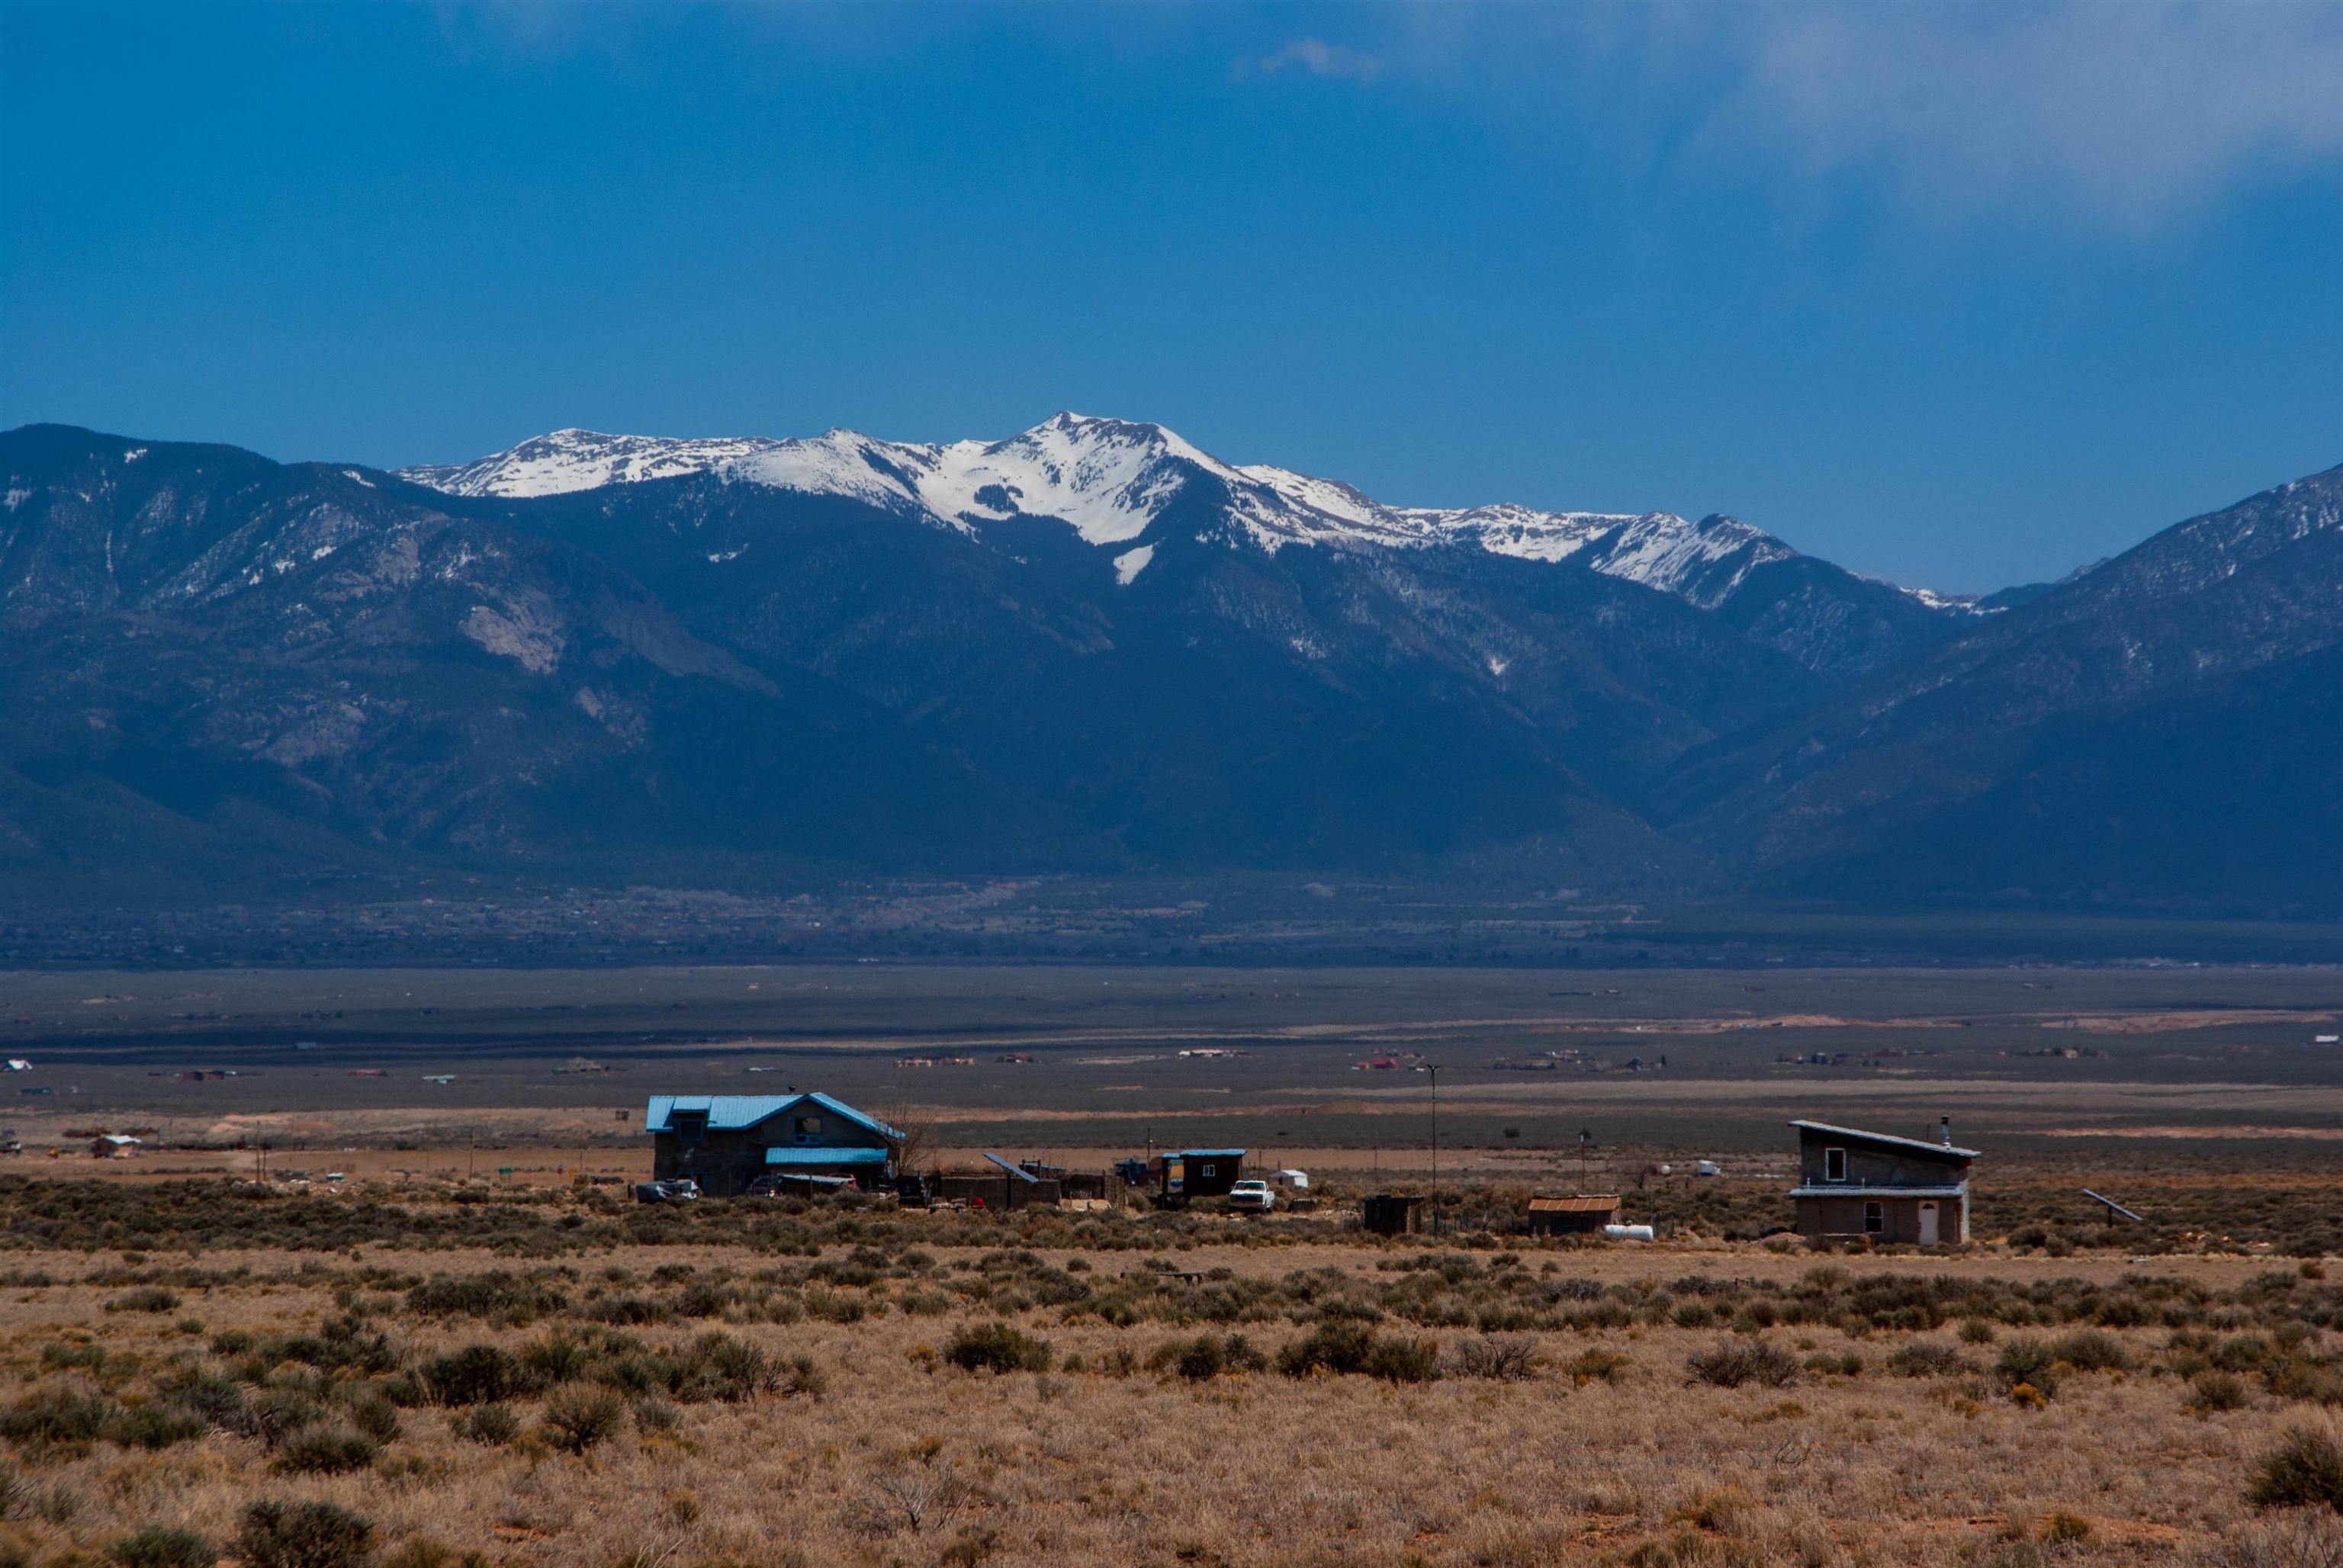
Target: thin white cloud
{"x": 1321, "y": 58}
{"x": 2129, "y": 114}
{"x": 2133, "y": 113}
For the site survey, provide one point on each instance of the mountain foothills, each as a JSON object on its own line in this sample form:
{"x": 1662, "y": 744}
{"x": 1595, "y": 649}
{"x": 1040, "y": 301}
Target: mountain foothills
{"x": 1095, "y": 647}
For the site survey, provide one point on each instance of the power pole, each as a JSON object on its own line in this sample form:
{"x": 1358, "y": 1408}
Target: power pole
{"x": 1434, "y": 1071}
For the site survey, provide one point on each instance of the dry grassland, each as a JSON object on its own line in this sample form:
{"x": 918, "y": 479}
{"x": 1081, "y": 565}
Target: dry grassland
{"x": 815, "y": 1387}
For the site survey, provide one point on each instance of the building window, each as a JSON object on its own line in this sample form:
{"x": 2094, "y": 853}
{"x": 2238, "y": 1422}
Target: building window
{"x": 1834, "y": 1164}
{"x": 1875, "y": 1219}
{"x": 691, "y": 1129}
{"x": 809, "y": 1130}
{"x": 1204, "y": 1170}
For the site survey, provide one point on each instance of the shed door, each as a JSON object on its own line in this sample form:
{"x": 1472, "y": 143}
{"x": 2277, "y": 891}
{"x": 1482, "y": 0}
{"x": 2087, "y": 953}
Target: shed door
{"x": 1927, "y": 1224}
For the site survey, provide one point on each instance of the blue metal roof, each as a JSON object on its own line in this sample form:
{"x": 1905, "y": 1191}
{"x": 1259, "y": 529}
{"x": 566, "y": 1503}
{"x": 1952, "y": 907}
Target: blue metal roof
{"x": 779, "y": 1155}
{"x": 732, "y": 1112}
{"x": 1206, "y": 1154}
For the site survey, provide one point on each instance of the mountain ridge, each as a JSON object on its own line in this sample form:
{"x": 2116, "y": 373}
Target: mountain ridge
{"x": 1108, "y": 478}
{"x": 1093, "y": 648}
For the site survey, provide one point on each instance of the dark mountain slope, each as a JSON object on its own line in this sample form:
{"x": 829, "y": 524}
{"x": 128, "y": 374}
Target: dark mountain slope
{"x": 2160, "y": 729}
{"x": 213, "y": 634}
{"x": 1224, "y": 707}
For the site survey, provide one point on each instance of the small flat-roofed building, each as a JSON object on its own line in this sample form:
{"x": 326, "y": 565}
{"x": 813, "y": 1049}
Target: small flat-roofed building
{"x": 724, "y": 1142}
{"x": 1391, "y": 1213}
{"x": 1576, "y": 1214}
{"x": 1185, "y": 1173}
{"x": 1881, "y": 1186}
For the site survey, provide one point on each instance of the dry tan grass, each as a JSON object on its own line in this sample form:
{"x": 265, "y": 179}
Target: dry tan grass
{"x": 903, "y": 1461}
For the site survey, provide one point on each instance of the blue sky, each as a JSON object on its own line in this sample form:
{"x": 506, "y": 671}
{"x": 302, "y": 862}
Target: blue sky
{"x": 1958, "y": 296}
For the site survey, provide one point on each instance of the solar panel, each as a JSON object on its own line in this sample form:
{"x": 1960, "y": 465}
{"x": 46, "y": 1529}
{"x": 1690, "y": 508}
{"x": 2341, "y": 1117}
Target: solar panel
{"x": 1022, "y": 1175}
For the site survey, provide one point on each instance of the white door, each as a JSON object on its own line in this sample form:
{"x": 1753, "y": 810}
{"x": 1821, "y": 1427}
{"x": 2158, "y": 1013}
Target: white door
{"x": 1927, "y": 1224}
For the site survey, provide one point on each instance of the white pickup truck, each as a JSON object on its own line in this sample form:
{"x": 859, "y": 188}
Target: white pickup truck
{"x": 1252, "y": 1198}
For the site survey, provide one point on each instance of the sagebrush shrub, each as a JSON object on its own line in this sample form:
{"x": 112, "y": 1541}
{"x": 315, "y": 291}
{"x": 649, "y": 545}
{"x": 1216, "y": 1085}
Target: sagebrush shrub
{"x": 1507, "y": 1358}
{"x": 326, "y": 1451}
{"x": 1336, "y": 1345}
{"x": 275, "y": 1414}
{"x": 2091, "y": 1350}
{"x": 1398, "y": 1357}
{"x": 996, "y": 1347}
{"x": 476, "y": 1374}
{"x": 2028, "y": 1361}
{"x": 493, "y": 1424}
{"x": 304, "y": 1536}
{"x": 157, "y": 1547}
{"x": 2304, "y": 1471}
{"x": 2214, "y": 1389}
{"x": 578, "y": 1417}
{"x": 1734, "y": 1363}
{"x": 1924, "y": 1358}
{"x": 154, "y": 1426}
{"x": 376, "y": 1416}
{"x": 55, "y": 1416}
{"x": 718, "y": 1367}
{"x": 146, "y": 1299}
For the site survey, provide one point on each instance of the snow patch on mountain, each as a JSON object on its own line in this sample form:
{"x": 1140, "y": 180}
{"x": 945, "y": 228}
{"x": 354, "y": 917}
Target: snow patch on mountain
{"x": 1131, "y": 563}
{"x": 1106, "y": 477}
{"x": 835, "y": 463}
{"x": 1525, "y": 533}
{"x": 566, "y": 461}
{"x": 1112, "y": 479}
{"x": 1662, "y": 550}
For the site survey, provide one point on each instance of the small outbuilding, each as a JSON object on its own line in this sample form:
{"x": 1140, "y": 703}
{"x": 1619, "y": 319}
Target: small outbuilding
{"x": 1391, "y": 1213}
{"x": 1881, "y": 1186}
{"x": 1577, "y": 1214}
{"x": 1185, "y": 1173}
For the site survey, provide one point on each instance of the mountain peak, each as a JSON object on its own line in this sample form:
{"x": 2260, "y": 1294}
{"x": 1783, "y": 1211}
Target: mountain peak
{"x": 1111, "y": 478}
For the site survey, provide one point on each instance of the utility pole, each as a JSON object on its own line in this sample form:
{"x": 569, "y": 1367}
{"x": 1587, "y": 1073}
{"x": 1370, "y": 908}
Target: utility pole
{"x": 1433, "y": 1070}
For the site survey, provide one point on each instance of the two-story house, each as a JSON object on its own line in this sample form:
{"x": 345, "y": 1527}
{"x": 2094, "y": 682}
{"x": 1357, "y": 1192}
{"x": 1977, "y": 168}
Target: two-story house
{"x": 1879, "y": 1186}
{"x": 724, "y": 1142}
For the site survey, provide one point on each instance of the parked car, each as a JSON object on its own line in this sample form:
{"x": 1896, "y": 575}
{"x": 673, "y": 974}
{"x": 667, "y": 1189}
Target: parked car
{"x": 1251, "y": 1197}
{"x": 674, "y": 1190}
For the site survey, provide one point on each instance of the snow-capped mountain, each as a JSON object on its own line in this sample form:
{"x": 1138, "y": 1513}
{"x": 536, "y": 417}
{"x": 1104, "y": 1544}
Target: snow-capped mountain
{"x": 1112, "y": 479}
{"x": 1095, "y": 646}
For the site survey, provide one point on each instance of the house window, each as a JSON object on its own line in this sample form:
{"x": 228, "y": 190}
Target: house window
{"x": 809, "y": 1130}
{"x": 1834, "y": 1164}
{"x": 691, "y": 1129}
{"x": 1204, "y": 1170}
{"x": 1875, "y": 1219}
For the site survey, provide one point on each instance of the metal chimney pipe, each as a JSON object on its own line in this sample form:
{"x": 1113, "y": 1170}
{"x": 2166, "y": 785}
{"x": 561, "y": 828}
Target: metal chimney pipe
{"x": 1945, "y": 1131}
